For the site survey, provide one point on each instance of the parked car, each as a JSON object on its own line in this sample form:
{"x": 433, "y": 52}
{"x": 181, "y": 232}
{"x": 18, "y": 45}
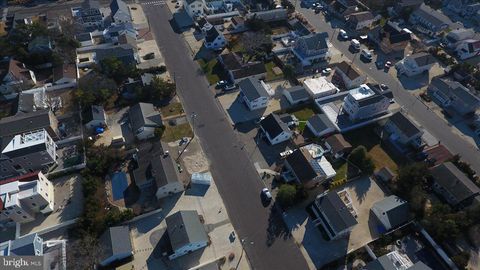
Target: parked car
{"x": 326, "y": 71}
{"x": 229, "y": 87}
{"x": 388, "y": 64}
{"x": 384, "y": 87}
{"x": 343, "y": 34}
{"x": 221, "y": 83}
{"x": 355, "y": 44}
{"x": 266, "y": 194}
{"x": 367, "y": 54}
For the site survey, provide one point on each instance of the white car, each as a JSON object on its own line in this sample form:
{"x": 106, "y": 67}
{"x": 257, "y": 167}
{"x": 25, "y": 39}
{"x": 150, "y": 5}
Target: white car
{"x": 326, "y": 71}
{"x": 267, "y": 194}
{"x": 343, "y": 34}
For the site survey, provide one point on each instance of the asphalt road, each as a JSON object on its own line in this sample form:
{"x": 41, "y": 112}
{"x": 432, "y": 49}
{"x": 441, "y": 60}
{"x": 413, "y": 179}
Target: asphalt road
{"x": 234, "y": 174}
{"x": 410, "y": 103}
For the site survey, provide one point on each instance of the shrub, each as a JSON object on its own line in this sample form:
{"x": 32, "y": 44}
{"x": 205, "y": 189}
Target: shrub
{"x": 286, "y": 195}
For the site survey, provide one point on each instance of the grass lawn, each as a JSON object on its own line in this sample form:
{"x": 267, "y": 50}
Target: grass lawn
{"x": 366, "y": 137}
{"x": 303, "y": 115}
{"x": 174, "y": 108}
{"x": 271, "y": 76}
{"x": 174, "y": 133}
{"x": 212, "y": 70}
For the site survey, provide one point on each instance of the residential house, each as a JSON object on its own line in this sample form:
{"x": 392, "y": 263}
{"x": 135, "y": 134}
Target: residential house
{"x": 333, "y": 214}
{"x": 94, "y": 117}
{"x": 468, "y": 48}
{"x": 406, "y": 6}
{"x": 120, "y": 12}
{"x": 89, "y": 13}
{"x": 349, "y": 75}
{"x": 337, "y": 146}
{"x": 275, "y": 130}
{"x": 32, "y": 100}
{"x": 114, "y": 31}
{"x": 392, "y": 212}
{"x": 361, "y": 20}
{"x": 16, "y": 77}
{"x": 454, "y": 37}
{"x": 395, "y": 261}
{"x": 453, "y": 185}
{"x": 320, "y": 125}
{"x": 254, "y": 93}
{"x": 186, "y": 233}
{"x": 465, "y": 8}
{"x": 156, "y": 169}
{"x": 296, "y": 94}
{"x": 115, "y": 245}
{"x": 143, "y": 120}
{"x": 319, "y": 87}
{"x": 366, "y": 102}
{"x": 29, "y": 245}
{"x": 194, "y": 8}
{"x": 27, "y": 152}
{"x": 272, "y": 15}
{"x": 415, "y": 64}
{"x": 390, "y": 38}
{"x": 22, "y": 197}
{"x": 311, "y": 49}
{"x": 26, "y": 122}
{"x": 214, "y": 39}
{"x": 307, "y": 169}
{"x": 238, "y": 69}
{"x": 65, "y": 74}
{"x": 453, "y": 95}
{"x": 403, "y": 131}
{"x": 429, "y": 21}
{"x": 85, "y": 39}
{"x": 127, "y": 54}
{"x": 40, "y": 44}
{"x": 343, "y": 8}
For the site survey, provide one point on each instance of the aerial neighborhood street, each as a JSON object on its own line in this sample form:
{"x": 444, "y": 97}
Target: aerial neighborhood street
{"x": 240, "y": 134}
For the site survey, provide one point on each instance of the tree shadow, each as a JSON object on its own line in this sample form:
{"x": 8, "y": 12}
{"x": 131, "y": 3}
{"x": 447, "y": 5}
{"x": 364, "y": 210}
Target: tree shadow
{"x": 276, "y": 226}
{"x": 361, "y": 187}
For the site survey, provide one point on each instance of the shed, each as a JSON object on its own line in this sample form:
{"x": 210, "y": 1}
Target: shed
{"x": 202, "y": 178}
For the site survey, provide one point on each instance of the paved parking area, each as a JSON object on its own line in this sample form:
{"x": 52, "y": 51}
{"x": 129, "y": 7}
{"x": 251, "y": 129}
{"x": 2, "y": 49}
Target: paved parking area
{"x": 117, "y": 123}
{"x": 138, "y": 17}
{"x": 68, "y": 205}
{"x": 364, "y": 192}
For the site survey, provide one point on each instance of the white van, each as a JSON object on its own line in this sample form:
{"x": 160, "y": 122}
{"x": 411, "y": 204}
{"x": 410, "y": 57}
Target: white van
{"x": 355, "y": 44}
{"x": 367, "y": 54}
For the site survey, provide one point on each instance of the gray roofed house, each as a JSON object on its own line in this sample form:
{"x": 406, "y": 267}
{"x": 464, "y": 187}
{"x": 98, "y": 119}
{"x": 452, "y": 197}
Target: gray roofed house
{"x": 120, "y": 11}
{"x": 311, "y": 48}
{"x": 95, "y": 117}
{"x": 337, "y": 145}
{"x": 156, "y": 166}
{"x": 395, "y": 261}
{"x": 403, "y": 131}
{"x": 214, "y": 39}
{"x": 453, "y": 185}
{"x": 320, "y": 125}
{"x": 254, "y": 93}
{"x": 392, "y": 212}
{"x": 296, "y": 94}
{"x": 125, "y": 53}
{"x": 367, "y": 101}
{"x": 299, "y": 165}
{"x": 116, "y": 245}
{"x": 429, "y": 19}
{"x": 186, "y": 233}
{"x": 415, "y": 64}
{"x": 30, "y": 245}
{"x": 31, "y": 121}
{"x": 333, "y": 214}
{"x": 144, "y": 119}
{"x": 361, "y": 20}
{"x": 275, "y": 129}
{"x": 453, "y": 95}
{"x": 239, "y": 69}
{"x": 390, "y": 38}
{"x": 350, "y": 76}
{"x": 423, "y": 59}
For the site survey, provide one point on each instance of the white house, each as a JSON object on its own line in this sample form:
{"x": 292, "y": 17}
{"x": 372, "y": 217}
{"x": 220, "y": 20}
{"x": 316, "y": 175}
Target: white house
{"x": 392, "y": 212}
{"x": 254, "y": 93}
{"x": 319, "y": 87}
{"x": 115, "y": 245}
{"x": 415, "y": 64}
{"x": 214, "y": 39}
{"x": 366, "y": 102}
{"x": 429, "y": 20}
{"x": 333, "y": 214}
{"x": 25, "y": 196}
{"x": 296, "y": 94}
{"x": 143, "y": 120}
{"x": 275, "y": 129}
{"x": 120, "y": 12}
{"x": 361, "y": 20}
{"x": 186, "y": 233}
{"x": 95, "y": 117}
{"x": 194, "y": 8}
{"x": 311, "y": 49}
{"x": 403, "y": 131}
{"x": 468, "y": 48}
{"x": 349, "y": 75}
{"x": 452, "y": 94}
